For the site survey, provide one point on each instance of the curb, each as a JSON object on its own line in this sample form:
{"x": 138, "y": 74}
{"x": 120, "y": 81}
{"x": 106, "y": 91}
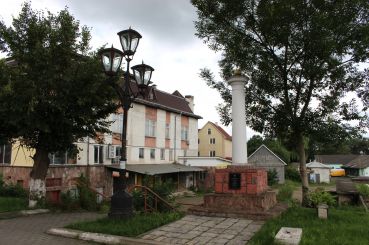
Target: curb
{"x": 99, "y": 237}
{"x": 16, "y": 214}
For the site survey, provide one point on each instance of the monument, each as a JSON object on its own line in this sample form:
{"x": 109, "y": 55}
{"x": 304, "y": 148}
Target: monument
{"x": 240, "y": 189}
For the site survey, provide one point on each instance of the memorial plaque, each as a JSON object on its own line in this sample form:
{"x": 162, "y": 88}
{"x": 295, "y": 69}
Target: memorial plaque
{"x": 234, "y": 181}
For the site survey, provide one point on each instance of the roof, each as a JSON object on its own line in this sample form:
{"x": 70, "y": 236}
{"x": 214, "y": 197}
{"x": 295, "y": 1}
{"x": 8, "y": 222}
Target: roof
{"x": 316, "y": 165}
{"x": 265, "y": 147}
{"x": 153, "y": 169}
{"x": 221, "y": 130}
{"x": 170, "y": 102}
{"x": 335, "y": 159}
{"x": 361, "y": 161}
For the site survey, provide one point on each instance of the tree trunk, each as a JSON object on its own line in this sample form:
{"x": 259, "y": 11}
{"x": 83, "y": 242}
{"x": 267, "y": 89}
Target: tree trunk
{"x": 303, "y": 172}
{"x": 37, "y": 188}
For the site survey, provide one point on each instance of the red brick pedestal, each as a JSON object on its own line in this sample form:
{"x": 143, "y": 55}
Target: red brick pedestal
{"x": 239, "y": 191}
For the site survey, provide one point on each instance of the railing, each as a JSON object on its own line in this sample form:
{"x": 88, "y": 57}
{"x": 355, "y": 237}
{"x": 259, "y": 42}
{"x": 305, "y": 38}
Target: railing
{"x": 148, "y": 193}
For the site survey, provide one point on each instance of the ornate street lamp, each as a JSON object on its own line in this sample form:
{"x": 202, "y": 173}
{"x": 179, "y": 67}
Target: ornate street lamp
{"x": 111, "y": 59}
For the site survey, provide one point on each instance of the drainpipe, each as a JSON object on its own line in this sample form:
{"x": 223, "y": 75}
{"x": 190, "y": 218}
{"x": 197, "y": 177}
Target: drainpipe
{"x": 175, "y": 136}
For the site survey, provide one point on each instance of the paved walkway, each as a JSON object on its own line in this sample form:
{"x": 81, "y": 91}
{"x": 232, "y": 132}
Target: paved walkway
{"x": 31, "y": 229}
{"x": 205, "y": 230}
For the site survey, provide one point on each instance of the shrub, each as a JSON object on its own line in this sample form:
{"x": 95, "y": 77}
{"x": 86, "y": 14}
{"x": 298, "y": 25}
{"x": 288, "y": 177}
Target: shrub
{"x": 87, "y": 198}
{"x": 319, "y": 196}
{"x": 272, "y": 177}
{"x": 285, "y": 192}
{"x": 363, "y": 190}
{"x": 292, "y": 174}
{"x": 68, "y": 201}
{"x": 11, "y": 190}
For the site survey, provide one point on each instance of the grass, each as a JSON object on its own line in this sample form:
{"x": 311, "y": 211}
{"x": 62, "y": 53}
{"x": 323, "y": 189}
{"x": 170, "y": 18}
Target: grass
{"x": 344, "y": 226}
{"x": 8, "y": 204}
{"x": 138, "y": 224}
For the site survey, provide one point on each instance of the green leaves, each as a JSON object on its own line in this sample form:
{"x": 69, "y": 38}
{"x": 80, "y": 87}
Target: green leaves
{"x": 301, "y": 57}
{"x": 54, "y": 92}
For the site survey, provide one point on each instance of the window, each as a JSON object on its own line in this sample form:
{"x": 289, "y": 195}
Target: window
{"x": 170, "y": 155}
{"x": 198, "y": 141}
{"x": 198, "y": 153}
{"x": 62, "y": 158}
{"x": 141, "y": 153}
{"x": 162, "y": 154}
{"x": 212, "y": 141}
{"x": 202, "y": 176}
{"x": 152, "y": 153}
{"x": 98, "y": 154}
{"x": 212, "y": 153}
{"x": 5, "y": 153}
{"x": 150, "y": 127}
{"x": 167, "y": 130}
{"x": 209, "y": 131}
{"x": 184, "y": 133}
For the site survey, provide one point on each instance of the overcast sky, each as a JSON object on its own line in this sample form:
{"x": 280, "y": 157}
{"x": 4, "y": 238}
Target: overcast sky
{"x": 168, "y": 41}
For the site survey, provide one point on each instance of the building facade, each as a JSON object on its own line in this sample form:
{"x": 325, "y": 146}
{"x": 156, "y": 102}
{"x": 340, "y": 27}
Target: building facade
{"x": 160, "y": 129}
{"x": 214, "y": 141}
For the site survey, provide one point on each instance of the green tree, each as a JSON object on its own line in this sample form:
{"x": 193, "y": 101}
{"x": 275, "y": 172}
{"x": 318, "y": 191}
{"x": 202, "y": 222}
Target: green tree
{"x": 254, "y": 143}
{"x": 301, "y": 58}
{"x": 52, "y": 90}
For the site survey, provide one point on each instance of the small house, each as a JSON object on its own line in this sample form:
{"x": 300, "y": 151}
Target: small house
{"x": 358, "y": 166}
{"x": 319, "y": 172}
{"x": 265, "y": 158}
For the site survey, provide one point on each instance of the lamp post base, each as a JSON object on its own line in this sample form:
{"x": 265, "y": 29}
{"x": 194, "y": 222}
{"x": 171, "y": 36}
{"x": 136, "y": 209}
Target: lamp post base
{"x": 121, "y": 205}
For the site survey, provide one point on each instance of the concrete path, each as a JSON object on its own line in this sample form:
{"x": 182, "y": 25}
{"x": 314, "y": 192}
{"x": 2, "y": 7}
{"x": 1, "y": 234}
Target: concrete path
{"x": 205, "y": 230}
{"x": 31, "y": 229}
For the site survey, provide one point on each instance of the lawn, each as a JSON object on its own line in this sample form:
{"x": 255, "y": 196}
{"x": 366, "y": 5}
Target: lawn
{"x": 8, "y": 204}
{"x": 138, "y": 224}
{"x": 344, "y": 226}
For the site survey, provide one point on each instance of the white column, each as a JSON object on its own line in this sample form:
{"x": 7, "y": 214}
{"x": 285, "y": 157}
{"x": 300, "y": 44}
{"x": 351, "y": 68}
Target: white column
{"x": 239, "y": 143}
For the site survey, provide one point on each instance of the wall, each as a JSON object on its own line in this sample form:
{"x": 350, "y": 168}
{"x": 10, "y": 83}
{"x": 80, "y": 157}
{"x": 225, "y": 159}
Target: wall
{"x": 205, "y": 147}
{"x": 324, "y": 173}
{"x": 62, "y": 178}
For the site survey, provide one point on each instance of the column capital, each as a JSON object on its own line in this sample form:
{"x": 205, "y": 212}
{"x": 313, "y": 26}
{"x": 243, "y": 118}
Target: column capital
{"x": 237, "y": 79}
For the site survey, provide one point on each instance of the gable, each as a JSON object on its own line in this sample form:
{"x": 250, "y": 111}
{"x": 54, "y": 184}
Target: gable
{"x": 264, "y": 157}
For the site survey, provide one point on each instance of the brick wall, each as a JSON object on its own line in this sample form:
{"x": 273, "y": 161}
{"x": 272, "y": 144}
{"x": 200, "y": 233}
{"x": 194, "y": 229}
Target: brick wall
{"x": 61, "y": 178}
{"x": 253, "y": 180}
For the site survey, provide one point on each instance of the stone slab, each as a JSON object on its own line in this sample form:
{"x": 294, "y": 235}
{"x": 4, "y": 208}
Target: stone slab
{"x": 289, "y": 236}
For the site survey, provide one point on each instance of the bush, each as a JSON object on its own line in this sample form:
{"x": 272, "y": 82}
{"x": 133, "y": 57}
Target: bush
{"x": 285, "y": 192}
{"x": 319, "y": 196}
{"x": 163, "y": 189}
{"x": 68, "y": 201}
{"x": 292, "y": 174}
{"x": 87, "y": 198}
{"x": 11, "y": 190}
{"x": 272, "y": 177}
{"x": 363, "y": 190}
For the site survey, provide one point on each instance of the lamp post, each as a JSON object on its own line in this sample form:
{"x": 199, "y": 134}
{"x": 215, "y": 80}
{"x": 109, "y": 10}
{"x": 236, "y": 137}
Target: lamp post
{"x": 111, "y": 59}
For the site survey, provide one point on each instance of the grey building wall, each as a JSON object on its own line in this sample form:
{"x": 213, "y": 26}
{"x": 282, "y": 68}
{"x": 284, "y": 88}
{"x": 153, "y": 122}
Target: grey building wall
{"x": 265, "y": 159}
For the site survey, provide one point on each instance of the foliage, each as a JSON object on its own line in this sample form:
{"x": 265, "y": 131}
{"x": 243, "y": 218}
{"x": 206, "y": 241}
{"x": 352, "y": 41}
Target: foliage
{"x": 8, "y": 204}
{"x": 363, "y": 190}
{"x": 294, "y": 54}
{"x": 52, "y": 89}
{"x": 342, "y": 227}
{"x": 272, "y": 177}
{"x": 11, "y": 190}
{"x": 163, "y": 189}
{"x": 285, "y": 192}
{"x": 131, "y": 227}
{"x": 68, "y": 201}
{"x": 292, "y": 174}
{"x": 319, "y": 196}
{"x": 87, "y": 198}
{"x": 275, "y": 145}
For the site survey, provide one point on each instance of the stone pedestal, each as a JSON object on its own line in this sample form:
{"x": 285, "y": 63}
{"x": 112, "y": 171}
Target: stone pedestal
{"x": 243, "y": 188}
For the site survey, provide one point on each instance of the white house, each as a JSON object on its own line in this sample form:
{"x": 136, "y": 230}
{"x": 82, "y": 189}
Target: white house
{"x": 319, "y": 172}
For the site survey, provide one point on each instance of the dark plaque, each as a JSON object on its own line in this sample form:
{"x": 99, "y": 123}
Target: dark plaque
{"x": 234, "y": 181}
